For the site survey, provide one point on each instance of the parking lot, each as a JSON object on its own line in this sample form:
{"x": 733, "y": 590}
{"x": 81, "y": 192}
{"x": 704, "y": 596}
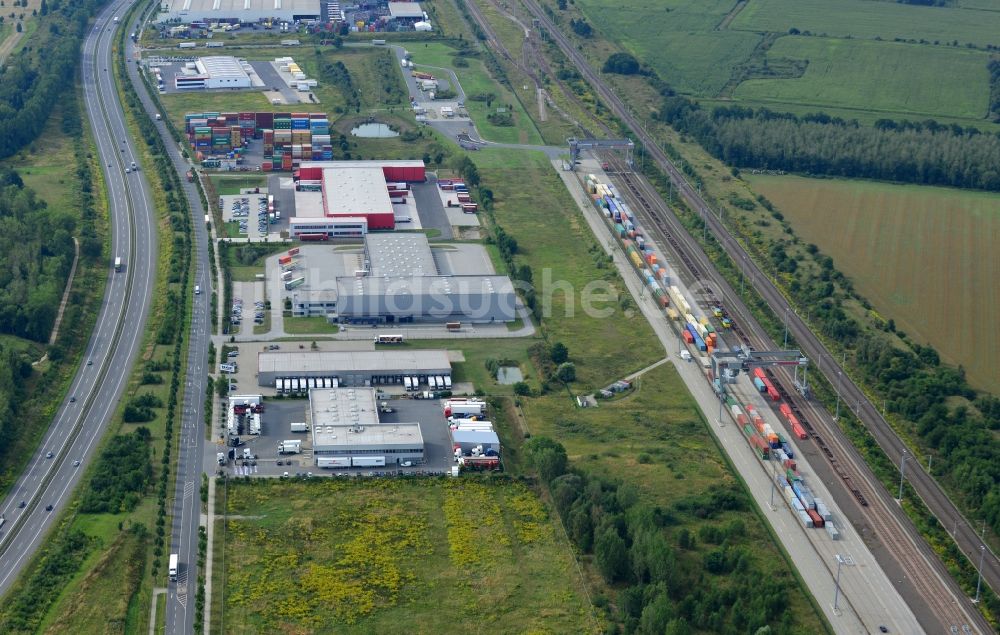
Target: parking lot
{"x": 241, "y": 310}
{"x": 249, "y": 211}
{"x": 279, "y": 414}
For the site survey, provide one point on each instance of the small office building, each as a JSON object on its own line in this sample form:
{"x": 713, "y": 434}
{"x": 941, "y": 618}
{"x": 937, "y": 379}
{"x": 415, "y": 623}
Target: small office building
{"x": 347, "y": 432}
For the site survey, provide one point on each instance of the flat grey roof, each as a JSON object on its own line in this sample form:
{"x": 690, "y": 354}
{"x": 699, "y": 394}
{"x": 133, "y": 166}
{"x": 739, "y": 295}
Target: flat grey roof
{"x": 409, "y": 163}
{"x": 356, "y": 191}
{"x": 399, "y": 254}
{"x": 405, "y": 10}
{"x": 383, "y": 435}
{"x": 343, "y": 406}
{"x": 294, "y": 362}
{"x": 442, "y": 286}
{"x": 309, "y": 205}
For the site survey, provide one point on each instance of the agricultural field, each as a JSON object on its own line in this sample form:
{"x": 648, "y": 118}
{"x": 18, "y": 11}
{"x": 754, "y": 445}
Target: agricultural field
{"x": 676, "y": 38}
{"x": 896, "y": 78}
{"x": 870, "y": 20}
{"x": 381, "y": 556}
{"x": 924, "y": 256}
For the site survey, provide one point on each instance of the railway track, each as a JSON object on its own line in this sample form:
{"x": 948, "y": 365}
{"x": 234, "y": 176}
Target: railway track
{"x": 926, "y": 573}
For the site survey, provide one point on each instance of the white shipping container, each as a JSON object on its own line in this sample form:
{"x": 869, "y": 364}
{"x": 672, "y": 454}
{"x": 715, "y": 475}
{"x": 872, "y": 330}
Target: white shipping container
{"x": 804, "y": 519}
{"x": 831, "y": 530}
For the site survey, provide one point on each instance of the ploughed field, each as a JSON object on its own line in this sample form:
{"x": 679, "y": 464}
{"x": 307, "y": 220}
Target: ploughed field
{"x": 924, "y": 256}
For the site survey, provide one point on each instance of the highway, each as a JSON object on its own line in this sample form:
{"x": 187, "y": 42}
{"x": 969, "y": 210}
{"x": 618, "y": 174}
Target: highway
{"x": 928, "y": 489}
{"x": 191, "y": 458}
{"x": 82, "y": 419}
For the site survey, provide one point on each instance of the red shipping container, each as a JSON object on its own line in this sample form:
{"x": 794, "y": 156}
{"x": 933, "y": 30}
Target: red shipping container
{"x": 792, "y": 420}
{"x": 773, "y": 394}
{"x": 266, "y": 166}
{"x": 758, "y": 423}
{"x": 663, "y": 301}
{"x": 785, "y": 410}
{"x": 788, "y": 464}
{"x": 816, "y": 518}
{"x": 687, "y": 336}
{"x": 284, "y": 260}
{"x": 741, "y": 419}
{"x": 799, "y": 431}
{"x": 759, "y": 372}
{"x": 294, "y": 251}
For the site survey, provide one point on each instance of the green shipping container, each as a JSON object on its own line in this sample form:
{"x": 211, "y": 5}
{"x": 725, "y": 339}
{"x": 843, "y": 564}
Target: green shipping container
{"x": 749, "y": 430}
{"x": 620, "y": 229}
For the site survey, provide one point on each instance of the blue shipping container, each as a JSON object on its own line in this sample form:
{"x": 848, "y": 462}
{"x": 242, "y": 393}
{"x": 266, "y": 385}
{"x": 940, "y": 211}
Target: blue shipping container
{"x": 759, "y": 384}
{"x": 788, "y": 450}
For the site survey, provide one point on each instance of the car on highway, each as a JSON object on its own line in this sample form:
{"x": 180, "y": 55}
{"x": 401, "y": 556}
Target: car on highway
{"x": 72, "y": 399}
{"x": 49, "y": 455}
{"x": 48, "y": 508}
{"x": 76, "y": 463}
{"x": 882, "y": 629}
{"x": 21, "y": 505}
{"x": 90, "y": 362}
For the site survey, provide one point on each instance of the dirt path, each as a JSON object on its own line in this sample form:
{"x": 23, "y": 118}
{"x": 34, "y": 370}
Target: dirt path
{"x": 65, "y": 298}
{"x": 8, "y": 45}
{"x": 731, "y": 15}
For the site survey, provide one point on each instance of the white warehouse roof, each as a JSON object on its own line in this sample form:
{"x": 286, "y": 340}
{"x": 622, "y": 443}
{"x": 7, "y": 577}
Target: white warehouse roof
{"x": 400, "y": 254}
{"x": 357, "y": 191}
{"x": 222, "y": 67}
{"x": 244, "y": 10}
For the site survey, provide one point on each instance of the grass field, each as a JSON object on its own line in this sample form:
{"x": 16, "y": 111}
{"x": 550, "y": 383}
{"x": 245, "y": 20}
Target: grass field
{"x": 924, "y": 256}
{"x": 878, "y": 76}
{"x": 677, "y": 38}
{"x": 385, "y": 556}
{"x": 309, "y": 326}
{"x": 868, "y": 20}
{"x": 229, "y": 185}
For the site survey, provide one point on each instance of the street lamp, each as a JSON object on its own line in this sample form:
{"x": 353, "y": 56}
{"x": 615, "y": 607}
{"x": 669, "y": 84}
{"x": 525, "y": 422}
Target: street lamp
{"x": 836, "y": 589}
{"x": 902, "y": 475}
{"x": 979, "y": 580}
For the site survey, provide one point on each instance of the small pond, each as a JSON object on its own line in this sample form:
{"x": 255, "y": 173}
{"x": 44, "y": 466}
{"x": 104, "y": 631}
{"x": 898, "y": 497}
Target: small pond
{"x": 374, "y": 131}
{"x": 508, "y": 375}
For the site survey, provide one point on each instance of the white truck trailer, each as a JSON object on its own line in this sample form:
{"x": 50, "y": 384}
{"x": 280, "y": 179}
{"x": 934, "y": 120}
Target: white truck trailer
{"x": 299, "y": 427}
{"x": 333, "y": 462}
{"x": 172, "y": 567}
{"x": 290, "y": 446}
{"x": 368, "y": 461}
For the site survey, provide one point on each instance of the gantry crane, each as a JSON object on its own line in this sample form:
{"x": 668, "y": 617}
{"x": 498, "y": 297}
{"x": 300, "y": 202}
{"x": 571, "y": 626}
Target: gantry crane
{"x": 575, "y": 145}
{"x": 726, "y": 367}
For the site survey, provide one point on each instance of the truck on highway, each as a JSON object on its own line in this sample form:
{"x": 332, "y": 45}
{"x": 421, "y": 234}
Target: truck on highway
{"x": 299, "y": 427}
{"x": 172, "y": 568}
{"x": 290, "y": 446}
{"x": 118, "y": 263}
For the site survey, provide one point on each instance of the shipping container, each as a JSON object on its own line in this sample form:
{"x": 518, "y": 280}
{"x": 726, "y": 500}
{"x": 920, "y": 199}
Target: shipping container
{"x": 817, "y": 520}
{"x": 773, "y": 393}
{"x": 799, "y": 431}
{"x": 759, "y": 384}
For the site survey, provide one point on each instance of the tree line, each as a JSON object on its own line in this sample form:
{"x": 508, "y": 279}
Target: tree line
{"x": 33, "y": 79}
{"x": 669, "y": 579}
{"x": 927, "y": 153}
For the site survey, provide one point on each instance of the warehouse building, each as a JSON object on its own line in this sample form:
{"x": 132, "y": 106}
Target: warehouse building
{"x": 332, "y": 197}
{"x": 482, "y": 441}
{"x": 397, "y": 279}
{"x": 238, "y": 11}
{"x": 406, "y": 13}
{"x": 213, "y": 72}
{"x": 352, "y": 368}
{"x": 347, "y": 432}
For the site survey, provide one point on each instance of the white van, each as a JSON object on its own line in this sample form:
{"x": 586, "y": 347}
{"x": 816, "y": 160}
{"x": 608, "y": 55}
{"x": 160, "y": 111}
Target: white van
{"x": 197, "y": 289}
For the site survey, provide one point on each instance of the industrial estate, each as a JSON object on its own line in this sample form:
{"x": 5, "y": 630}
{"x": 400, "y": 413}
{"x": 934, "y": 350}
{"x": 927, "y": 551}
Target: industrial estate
{"x": 399, "y": 296}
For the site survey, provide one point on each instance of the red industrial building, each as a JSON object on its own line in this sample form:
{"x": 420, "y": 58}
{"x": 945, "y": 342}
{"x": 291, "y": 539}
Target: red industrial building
{"x": 352, "y": 190}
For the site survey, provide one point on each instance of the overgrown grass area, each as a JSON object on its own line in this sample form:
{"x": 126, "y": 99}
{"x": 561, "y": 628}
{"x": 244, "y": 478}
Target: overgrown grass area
{"x": 364, "y": 556}
{"x": 902, "y": 245}
{"x": 885, "y": 77}
{"x": 580, "y": 294}
{"x": 309, "y": 326}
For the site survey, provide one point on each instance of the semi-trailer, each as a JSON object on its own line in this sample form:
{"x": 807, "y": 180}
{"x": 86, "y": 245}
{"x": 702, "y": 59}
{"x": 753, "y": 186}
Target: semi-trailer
{"x": 172, "y": 566}
{"x": 464, "y": 408}
{"x": 368, "y": 461}
{"x": 290, "y": 446}
{"x": 299, "y": 426}
{"x": 330, "y": 462}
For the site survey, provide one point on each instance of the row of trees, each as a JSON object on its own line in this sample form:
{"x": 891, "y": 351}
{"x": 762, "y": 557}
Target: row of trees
{"x": 994, "y": 68}
{"x": 926, "y": 153}
{"x": 36, "y": 247}
{"x": 670, "y": 579}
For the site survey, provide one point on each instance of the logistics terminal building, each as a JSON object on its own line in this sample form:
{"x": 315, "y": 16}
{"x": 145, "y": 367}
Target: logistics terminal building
{"x": 352, "y": 368}
{"x": 234, "y": 11}
{"x": 347, "y": 432}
